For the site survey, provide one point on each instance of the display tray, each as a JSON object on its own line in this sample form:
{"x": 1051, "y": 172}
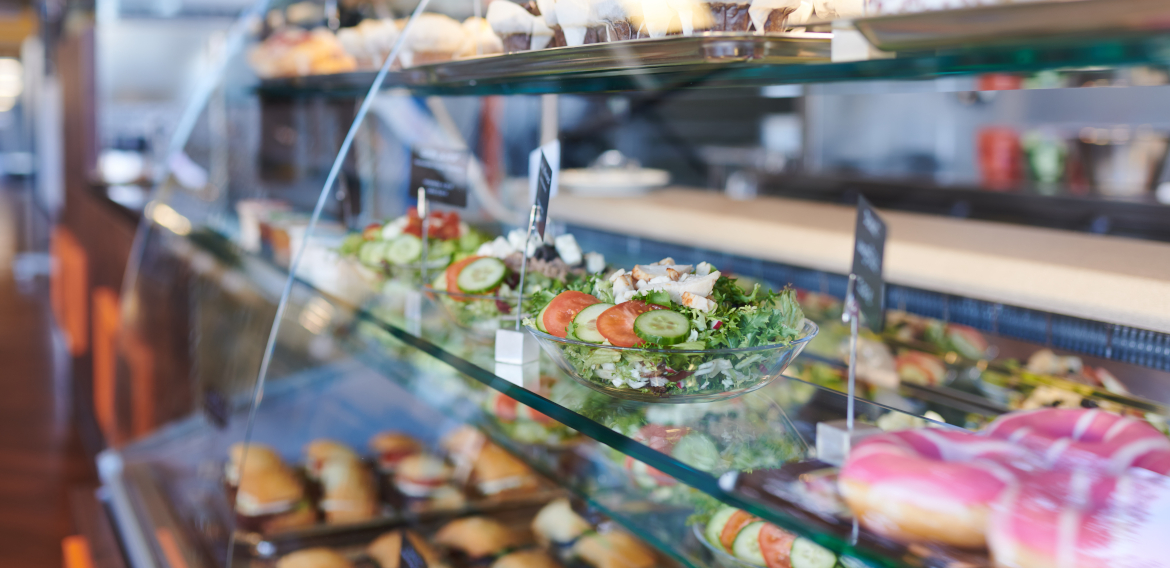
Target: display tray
{"x": 635, "y": 57}
{"x": 1022, "y": 23}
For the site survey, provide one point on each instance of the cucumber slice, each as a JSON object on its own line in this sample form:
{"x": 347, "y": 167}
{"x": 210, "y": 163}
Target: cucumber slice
{"x": 481, "y": 275}
{"x": 370, "y": 253}
{"x": 585, "y": 324}
{"x": 403, "y": 250}
{"x": 715, "y": 525}
{"x": 662, "y": 327}
{"x": 747, "y": 545}
{"x": 540, "y": 318}
{"x": 808, "y": 554}
{"x": 697, "y": 450}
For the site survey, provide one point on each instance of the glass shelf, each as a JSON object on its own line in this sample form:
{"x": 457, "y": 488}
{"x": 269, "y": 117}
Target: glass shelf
{"x": 637, "y": 66}
{"x": 442, "y": 366}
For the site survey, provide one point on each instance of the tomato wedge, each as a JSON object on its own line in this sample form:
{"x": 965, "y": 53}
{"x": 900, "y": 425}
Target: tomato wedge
{"x": 504, "y": 407}
{"x": 617, "y": 323}
{"x": 453, "y": 275}
{"x": 776, "y": 546}
{"x": 563, "y": 308}
{"x": 736, "y": 523}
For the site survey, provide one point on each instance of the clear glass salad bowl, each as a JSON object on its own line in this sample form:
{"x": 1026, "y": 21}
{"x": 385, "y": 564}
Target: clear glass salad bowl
{"x": 667, "y": 375}
{"x": 480, "y": 314}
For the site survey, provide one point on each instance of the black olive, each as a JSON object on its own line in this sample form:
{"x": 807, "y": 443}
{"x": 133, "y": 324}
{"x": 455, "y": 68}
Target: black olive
{"x": 1086, "y": 403}
{"x": 546, "y": 253}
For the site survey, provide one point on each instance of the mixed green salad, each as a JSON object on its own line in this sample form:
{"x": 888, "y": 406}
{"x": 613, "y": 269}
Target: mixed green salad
{"x": 675, "y": 316}
{"x": 396, "y": 247}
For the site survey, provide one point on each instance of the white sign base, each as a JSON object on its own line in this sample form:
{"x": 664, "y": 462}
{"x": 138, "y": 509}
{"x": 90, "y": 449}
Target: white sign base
{"x": 834, "y": 442}
{"x": 516, "y": 347}
{"x": 526, "y": 375}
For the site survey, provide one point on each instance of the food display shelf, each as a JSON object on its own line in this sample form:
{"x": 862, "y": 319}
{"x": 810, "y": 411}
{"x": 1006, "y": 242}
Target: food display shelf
{"x": 761, "y": 432}
{"x": 718, "y": 61}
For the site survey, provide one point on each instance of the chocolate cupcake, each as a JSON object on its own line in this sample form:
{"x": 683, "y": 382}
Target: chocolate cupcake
{"x": 512, "y": 23}
{"x": 578, "y": 22}
{"x": 730, "y": 16}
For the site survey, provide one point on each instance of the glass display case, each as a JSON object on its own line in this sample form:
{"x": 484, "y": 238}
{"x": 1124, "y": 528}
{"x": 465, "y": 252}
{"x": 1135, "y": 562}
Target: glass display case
{"x": 307, "y": 362}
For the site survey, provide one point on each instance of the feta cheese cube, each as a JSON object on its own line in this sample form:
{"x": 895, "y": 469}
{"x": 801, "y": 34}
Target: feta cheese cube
{"x": 594, "y": 262}
{"x": 568, "y": 249}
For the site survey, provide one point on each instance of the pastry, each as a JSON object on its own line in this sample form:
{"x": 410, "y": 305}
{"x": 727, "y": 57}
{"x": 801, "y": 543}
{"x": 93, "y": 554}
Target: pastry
{"x": 480, "y": 39}
{"x": 557, "y": 523}
{"x": 512, "y": 24}
{"x": 613, "y": 19}
{"x": 319, "y": 452}
{"x": 314, "y": 558}
{"x": 613, "y": 549}
{"x": 295, "y": 52}
{"x": 433, "y": 38}
{"x": 478, "y": 537}
{"x": 349, "y": 494}
{"x": 258, "y": 457}
{"x": 271, "y": 499}
{"x": 369, "y": 42}
{"x": 387, "y": 550}
{"x": 526, "y": 559}
{"x": 463, "y": 444}
{"x": 421, "y": 475}
{"x": 392, "y": 447}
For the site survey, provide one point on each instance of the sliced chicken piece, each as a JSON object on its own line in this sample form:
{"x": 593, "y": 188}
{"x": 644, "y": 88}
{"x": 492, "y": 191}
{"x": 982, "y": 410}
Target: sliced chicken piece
{"x": 703, "y": 269}
{"x": 623, "y": 286}
{"x": 614, "y": 277}
{"x": 698, "y": 302}
{"x": 651, "y": 271}
{"x": 700, "y": 286}
{"x": 668, "y": 261}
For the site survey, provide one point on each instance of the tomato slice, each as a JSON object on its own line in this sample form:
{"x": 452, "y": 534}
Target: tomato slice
{"x": 617, "y": 323}
{"x": 504, "y": 407}
{"x": 776, "y": 546}
{"x": 736, "y": 523}
{"x": 563, "y": 308}
{"x": 453, "y": 275}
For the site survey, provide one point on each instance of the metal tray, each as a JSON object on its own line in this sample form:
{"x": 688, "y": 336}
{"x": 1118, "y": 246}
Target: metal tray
{"x": 633, "y": 57}
{"x": 1023, "y": 22}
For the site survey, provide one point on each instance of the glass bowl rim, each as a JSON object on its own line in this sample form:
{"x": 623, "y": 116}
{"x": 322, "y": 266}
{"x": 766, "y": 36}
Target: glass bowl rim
{"x": 809, "y": 325}
{"x": 428, "y": 289}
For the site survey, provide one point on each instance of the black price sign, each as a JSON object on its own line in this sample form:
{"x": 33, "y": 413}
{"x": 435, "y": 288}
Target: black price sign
{"x": 441, "y": 173}
{"x": 543, "y": 190}
{"x": 869, "y": 249}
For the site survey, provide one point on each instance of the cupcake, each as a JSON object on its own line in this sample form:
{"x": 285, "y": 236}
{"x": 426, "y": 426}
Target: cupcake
{"x": 692, "y": 15}
{"x": 542, "y": 35}
{"x": 577, "y": 22}
{"x": 612, "y": 17}
{"x": 512, "y": 23}
{"x": 480, "y": 40}
{"x": 434, "y": 38}
{"x": 547, "y": 9}
{"x": 729, "y": 16}
{"x": 771, "y": 15}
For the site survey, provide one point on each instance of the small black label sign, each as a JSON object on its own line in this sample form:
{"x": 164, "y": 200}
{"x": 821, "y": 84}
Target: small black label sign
{"x": 442, "y": 173}
{"x": 217, "y": 408}
{"x": 543, "y": 190}
{"x": 869, "y": 249}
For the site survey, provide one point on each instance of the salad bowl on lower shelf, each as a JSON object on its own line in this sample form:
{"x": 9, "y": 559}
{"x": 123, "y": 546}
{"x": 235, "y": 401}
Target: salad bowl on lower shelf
{"x": 669, "y": 375}
{"x": 480, "y": 314}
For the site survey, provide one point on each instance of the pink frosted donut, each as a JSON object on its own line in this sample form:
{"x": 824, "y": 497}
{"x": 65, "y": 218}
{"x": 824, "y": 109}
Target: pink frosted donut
{"x": 1083, "y": 519}
{"x": 927, "y": 485}
{"x": 1072, "y": 437}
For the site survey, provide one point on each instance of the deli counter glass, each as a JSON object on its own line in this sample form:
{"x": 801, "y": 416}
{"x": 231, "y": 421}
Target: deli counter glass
{"x": 453, "y": 289}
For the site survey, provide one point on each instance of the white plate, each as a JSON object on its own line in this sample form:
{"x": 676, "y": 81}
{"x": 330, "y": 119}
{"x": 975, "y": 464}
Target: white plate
{"x": 613, "y": 182}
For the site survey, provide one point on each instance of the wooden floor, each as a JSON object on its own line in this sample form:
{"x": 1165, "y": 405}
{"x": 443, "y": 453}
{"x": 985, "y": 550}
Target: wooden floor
{"x": 40, "y": 457}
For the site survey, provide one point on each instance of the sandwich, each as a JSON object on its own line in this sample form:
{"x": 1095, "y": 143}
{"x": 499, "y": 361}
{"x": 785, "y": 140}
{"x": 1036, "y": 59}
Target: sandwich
{"x": 349, "y": 494}
{"x": 314, "y": 558}
{"x": 386, "y": 550}
{"x": 496, "y": 471}
{"x": 270, "y": 500}
{"x": 614, "y": 549}
{"x": 421, "y": 475}
{"x": 392, "y": 447}
{"x": 478, "y": 537}
{"x": 557, "y": 523}
{"x": 318, "y": 452}
{"x": 526, "y": 559}
{"x": 258, "y": 457}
